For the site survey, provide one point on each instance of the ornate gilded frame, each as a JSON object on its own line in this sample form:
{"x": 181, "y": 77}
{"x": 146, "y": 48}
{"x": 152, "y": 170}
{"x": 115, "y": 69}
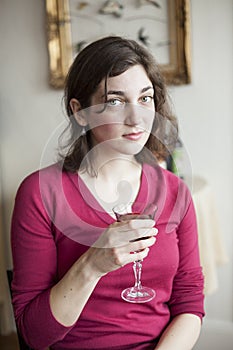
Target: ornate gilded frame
{"x": 177, "y": 72}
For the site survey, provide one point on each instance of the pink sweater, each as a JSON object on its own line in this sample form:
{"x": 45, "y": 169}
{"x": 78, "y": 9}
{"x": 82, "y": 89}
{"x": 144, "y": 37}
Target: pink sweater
{"x": 56, "y": 219}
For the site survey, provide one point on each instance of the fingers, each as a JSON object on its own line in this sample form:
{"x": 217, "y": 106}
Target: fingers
{"x": 133, "y": 229}
{"x": 120, "y": 234}
{"x": 139, "y": 234}
{"x": 140, "y": 245}
{"x": 137, "y": 224}
{"x": 140, "y": 255}
{"x": 111, "y": 258}
{"x": 132, "y": 251}
{"x": 143, "y": 234}
{"x": 125, "y": 259}
{"x": 122, "y": 258}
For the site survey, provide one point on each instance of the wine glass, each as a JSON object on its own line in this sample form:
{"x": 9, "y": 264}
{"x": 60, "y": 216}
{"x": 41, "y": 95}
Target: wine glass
{"x": 130, "y": 211}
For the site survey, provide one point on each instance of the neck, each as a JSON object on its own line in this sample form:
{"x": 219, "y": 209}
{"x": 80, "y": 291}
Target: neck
{"x": 117, "y": 168}
{"x": 117, "y": 180}
{"x": 108, "y": 163}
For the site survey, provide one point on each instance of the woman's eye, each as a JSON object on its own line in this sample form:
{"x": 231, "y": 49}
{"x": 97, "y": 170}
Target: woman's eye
{"x": 114, "y": 102}
{"x": 147, "y": 99}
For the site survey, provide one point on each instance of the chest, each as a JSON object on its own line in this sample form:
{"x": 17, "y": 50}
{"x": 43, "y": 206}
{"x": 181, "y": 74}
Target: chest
{"x": 109, "y": 192}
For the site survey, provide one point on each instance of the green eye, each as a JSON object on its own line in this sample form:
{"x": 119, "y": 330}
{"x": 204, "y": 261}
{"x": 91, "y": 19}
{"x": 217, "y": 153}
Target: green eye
{"x": 147, "y": 99}
{"x": 114, "y": 102}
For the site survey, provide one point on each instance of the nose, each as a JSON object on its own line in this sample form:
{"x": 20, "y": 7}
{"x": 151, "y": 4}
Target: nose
{"x": 133, "y": 114}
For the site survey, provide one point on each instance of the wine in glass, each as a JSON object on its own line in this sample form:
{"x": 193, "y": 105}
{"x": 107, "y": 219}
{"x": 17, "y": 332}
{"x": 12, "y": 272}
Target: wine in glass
{"x": 130, "y": 211}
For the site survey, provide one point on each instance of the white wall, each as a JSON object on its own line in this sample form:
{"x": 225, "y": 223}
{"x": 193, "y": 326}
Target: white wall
{"x": 205, "y": 111}
{"x": 30, "y": 110}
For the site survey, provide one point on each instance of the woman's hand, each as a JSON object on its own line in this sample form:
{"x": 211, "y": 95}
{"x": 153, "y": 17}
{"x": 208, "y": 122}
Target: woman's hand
{"x": 122, "y": 243}
{"x": 181, "y": 333}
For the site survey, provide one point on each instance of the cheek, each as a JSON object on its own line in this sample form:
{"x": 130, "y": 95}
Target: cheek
{"x": 150, "y": 120}
{"x": 147, "y": 126}
{"x": 105, "y": 132}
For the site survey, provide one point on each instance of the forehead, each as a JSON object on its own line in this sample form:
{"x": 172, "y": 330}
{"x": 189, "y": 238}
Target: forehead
{"x": 134, "y": 78}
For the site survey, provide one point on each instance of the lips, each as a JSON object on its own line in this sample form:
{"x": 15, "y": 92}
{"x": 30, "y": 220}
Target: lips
{"x": 133, "y": 136}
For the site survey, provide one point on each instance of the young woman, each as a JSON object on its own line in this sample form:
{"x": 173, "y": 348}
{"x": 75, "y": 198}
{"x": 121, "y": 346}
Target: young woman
{"x": 72, "y": 259}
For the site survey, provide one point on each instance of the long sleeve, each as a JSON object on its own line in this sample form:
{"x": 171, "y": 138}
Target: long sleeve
{"x": 35, "y": 270}
{"x": 187, "y": 292}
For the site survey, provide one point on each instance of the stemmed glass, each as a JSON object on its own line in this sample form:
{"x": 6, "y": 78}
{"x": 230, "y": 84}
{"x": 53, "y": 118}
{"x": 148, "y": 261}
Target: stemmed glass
{"x": 130, "y": 211}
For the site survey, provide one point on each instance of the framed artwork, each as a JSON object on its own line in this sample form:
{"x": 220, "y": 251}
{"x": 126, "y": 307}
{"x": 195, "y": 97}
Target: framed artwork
{"x": 163, "y": 26}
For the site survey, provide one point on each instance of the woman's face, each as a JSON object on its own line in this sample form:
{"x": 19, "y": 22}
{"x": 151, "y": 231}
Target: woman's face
{"x": 125, "y": 121}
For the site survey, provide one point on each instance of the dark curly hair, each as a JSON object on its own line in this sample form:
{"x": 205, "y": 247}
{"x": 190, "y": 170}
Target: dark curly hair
{"x": 109, "y": 57}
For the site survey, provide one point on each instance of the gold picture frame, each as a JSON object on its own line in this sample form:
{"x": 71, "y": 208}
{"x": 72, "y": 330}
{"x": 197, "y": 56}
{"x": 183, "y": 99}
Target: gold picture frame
{"x": 60, "y": 47}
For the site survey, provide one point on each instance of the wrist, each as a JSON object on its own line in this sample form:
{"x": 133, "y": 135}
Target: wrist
{"x": 86, "y": 268}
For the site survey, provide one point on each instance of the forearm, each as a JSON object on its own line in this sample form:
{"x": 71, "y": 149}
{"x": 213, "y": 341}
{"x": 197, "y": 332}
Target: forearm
{"x": 69, "y": 296}
{"x": 182, "y": 333}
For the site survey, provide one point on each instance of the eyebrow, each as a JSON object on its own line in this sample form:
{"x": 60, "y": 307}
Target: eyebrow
{"x": 121, "y": 93}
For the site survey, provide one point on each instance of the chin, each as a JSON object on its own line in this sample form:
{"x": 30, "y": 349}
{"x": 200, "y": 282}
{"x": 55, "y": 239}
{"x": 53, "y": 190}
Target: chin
{"x": 131, "y": 150}
{"x": 123, "y": 147}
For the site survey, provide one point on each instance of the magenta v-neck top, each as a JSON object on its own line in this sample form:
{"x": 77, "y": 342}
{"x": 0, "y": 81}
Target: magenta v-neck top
{"x": 55, "y": 220}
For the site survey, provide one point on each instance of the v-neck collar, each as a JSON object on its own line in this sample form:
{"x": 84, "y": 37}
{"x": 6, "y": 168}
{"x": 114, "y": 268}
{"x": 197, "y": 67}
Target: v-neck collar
{"x": 93, "y": 204}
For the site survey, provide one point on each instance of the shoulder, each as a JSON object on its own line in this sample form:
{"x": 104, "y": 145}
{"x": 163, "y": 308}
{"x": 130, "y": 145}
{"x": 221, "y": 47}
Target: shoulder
{"x": 171, "y": 191}
{"x": 172, "y": 182}
{"x": 38, "y": 180}
{"x": 177, "y": 189}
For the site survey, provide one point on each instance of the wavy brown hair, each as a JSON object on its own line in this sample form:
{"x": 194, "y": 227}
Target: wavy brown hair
{"x": 109, "y": 57}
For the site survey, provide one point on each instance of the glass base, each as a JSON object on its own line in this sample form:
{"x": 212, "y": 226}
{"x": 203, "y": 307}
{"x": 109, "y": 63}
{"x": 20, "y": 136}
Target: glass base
{"x": 138, "y": 295}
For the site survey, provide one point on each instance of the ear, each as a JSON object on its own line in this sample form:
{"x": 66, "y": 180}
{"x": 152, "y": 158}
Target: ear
{"x": 76, "y": 109}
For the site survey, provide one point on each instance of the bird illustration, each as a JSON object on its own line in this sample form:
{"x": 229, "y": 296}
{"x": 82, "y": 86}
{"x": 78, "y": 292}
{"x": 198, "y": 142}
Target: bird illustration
{"x": 152, "y": 2}
{"x": 80, "y": 45}
{"x": 142, "y": 37}
{"x": 114, "y": 8}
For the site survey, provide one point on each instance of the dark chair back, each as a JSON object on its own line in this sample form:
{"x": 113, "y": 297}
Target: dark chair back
{"x": 22, "y": 344}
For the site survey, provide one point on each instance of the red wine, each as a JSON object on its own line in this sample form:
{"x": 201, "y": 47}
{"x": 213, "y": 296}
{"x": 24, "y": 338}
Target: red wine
{"x": 132, "y": 216}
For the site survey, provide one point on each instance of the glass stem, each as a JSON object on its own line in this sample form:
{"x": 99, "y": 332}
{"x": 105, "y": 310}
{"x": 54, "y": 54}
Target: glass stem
{"x": 137, "y": 269}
